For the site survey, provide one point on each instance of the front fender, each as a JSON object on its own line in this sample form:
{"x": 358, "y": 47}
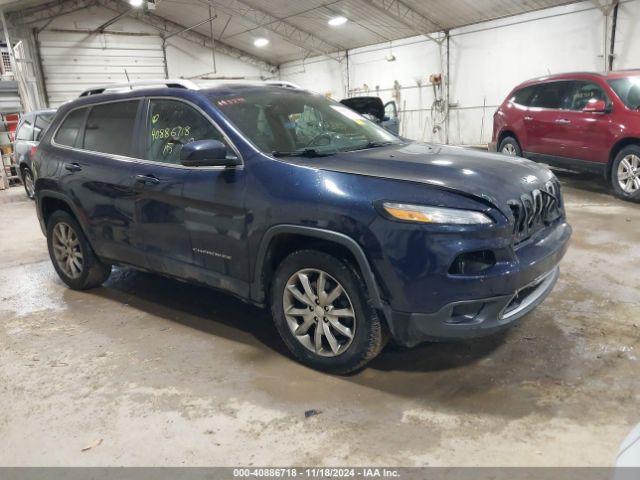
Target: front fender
{"x": 257, "y": 291}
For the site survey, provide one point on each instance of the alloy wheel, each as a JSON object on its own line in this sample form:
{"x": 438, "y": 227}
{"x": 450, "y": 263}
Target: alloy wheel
{"x": 629, "y": 173}
{"x": 319, "y": 312}
{"x": 66, "y": 249}
{"x": 509, "y": 149}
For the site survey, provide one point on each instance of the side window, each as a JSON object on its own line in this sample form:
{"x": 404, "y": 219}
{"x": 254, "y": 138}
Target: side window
{"x": 110, "y": 128}
{"x": 42, "y": 123}
{"x": 172, "y": 124}
{"x": 524, "y": 95}
{"x": 68, "y": 131}
{"x": 553, "y": 95}
{"x": 26, "y": 130}
{"x": 390, "y": 110}
{"x": 583, "y": 92}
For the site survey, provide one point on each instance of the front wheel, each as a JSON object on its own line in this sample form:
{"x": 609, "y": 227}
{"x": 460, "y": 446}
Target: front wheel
{"x": 322, "y": 311}
{"x": 72, "y": 256}
{"x": 625, "y": 173}
{"x": 510, "y": 146}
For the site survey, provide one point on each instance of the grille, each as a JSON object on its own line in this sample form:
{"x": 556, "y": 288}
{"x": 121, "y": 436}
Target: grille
{"x": 535, "y": 210}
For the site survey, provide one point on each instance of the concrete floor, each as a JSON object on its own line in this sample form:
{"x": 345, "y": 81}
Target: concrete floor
{"x": 150, "y": 371}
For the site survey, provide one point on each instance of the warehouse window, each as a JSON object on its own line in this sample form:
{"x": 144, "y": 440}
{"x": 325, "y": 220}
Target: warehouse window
{"x": 110, "y": 128}
{"x": 68, "y": 131}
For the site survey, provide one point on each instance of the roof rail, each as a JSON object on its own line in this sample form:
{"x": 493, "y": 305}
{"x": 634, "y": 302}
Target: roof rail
{"x": 282, "y": 83}
{"x": 171, "y": 83}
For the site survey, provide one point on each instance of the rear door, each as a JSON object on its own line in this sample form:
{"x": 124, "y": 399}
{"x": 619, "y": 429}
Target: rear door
{"x": 95, "y": 152}
{"x": 191, "y": 220}
{"x": 544, "y": 117}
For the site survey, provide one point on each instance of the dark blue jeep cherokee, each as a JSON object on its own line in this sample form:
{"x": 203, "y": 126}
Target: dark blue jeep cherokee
{"x": 284, "y": 198}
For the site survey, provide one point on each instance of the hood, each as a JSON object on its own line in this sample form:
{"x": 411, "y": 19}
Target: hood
{"x": 488, "y": 177}
{"x": 366, "y": 106}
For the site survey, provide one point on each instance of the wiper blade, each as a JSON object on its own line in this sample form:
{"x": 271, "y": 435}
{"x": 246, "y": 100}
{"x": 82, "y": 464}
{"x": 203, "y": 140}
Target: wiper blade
{"x": 370, "y": 145}
{"x": 305, "y": 152}
{"x": 378, "y": 144}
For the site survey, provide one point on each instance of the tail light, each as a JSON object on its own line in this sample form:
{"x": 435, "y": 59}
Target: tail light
{"x": 33, "y": 151}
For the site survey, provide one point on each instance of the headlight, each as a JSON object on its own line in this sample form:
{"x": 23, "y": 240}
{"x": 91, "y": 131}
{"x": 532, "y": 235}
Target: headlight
{"x": 424, "y": 214}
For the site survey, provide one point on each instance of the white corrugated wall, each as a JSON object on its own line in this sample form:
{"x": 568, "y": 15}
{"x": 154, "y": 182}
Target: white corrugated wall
{"x": 75, "y": 61}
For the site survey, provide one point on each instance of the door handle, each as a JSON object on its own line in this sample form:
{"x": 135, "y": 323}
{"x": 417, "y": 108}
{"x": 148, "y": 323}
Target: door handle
{"x": 147, "y": 179}
{"x": 528, "y": 119}
{"x": 72, "y": 167}
{"x": 563, "y": 121}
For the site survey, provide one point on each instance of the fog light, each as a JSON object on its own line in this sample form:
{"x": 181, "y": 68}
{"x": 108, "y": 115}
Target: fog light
{"x": 472, "y": 263}
{"x": 465, "y": 313}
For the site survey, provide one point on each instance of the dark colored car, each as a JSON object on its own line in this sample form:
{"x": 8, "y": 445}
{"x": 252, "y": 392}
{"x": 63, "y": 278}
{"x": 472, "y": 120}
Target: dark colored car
{"x": 384, "y": 114}
{"x": 348, "y": 233}
{"x": 579, "y": 121}
{"x": 31, "y": 128}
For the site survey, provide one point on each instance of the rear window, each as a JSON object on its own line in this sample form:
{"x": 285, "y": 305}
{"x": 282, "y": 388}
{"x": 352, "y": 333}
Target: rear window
{"x": 25, "y": 132}
{"x": 68, "y": 131}
{"x": 110, "y": 128}
{"x": 524, "y": 95}
{"x": 42, "y": 123}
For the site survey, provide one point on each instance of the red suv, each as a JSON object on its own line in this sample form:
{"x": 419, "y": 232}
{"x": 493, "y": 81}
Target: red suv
{"x": 580, "y": 121}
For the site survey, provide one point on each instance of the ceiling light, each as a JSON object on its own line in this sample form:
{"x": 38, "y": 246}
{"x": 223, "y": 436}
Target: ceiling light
{"x": 337, "y": 21}
{"x": 136, "y": 3}
{"x": 261, "y": 42}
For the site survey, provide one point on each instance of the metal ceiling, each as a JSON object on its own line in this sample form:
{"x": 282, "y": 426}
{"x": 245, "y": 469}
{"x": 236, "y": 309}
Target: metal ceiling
{"x": 298, "y": 28}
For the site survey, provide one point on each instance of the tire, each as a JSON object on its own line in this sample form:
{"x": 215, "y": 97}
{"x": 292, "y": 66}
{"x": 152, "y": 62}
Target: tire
{"x": 368, "y": 337}
{"x": 88, "y": 271}
{"x": 510, "y": 146}
{"x": 27, "y": 181}
{"x": 625, "y": 174}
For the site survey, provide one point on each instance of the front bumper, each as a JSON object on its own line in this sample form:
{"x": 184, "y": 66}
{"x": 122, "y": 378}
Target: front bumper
{"x": 484, "y": 304}
{"x": 474, "y": 318}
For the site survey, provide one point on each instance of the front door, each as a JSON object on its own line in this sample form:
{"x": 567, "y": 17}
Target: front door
{"x": 191, "y": 220}
{"x": 585, "y": 135}
{"x": 391, "y": 122}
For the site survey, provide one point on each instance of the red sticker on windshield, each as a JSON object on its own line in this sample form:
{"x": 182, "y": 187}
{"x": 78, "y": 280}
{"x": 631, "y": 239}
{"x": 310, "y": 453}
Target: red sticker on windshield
{"x": 230, "y": 101}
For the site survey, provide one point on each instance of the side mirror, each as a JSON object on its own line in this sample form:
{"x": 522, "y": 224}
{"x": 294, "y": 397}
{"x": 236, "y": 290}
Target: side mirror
{"x": 596, "y": 106}
{"x": 206, "y": 153}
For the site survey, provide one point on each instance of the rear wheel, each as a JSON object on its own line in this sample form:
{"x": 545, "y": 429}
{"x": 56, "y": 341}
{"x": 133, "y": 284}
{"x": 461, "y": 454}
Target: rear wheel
{"x": 625, "y": 173}
{"x": 509, "y": 146}
{"x": 27, "y": 181}
{"x": 71, "y": 255}
{"x": 321, "y": 309}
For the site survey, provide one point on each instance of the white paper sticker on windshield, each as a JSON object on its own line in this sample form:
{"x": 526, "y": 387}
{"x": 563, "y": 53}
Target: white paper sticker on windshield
{"x": 350, "y": 114}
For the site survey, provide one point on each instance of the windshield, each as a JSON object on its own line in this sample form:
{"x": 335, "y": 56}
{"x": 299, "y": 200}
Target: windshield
{"x": 628, "y": 89}
{"x": 295, "y": 122}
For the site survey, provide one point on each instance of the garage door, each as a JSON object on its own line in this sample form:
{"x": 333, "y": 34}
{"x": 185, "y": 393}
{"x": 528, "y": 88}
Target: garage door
{"x": 75, "y": 61}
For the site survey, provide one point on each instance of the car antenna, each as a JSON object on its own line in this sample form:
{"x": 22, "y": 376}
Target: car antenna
{"x": 128, "y": 80}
